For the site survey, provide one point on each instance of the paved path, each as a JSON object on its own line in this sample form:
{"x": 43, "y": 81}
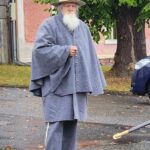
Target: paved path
{"x": 21, "y": 124}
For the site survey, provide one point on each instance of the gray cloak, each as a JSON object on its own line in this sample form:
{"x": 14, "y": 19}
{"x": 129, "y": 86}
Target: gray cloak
{"x": 64, "y": 74}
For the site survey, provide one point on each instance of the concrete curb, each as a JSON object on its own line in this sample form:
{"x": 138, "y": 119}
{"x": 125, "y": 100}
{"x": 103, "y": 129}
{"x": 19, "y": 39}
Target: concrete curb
{"x": 123, "y": 93}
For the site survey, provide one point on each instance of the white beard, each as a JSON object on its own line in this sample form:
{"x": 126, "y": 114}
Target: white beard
{"x": 71, "y": 21}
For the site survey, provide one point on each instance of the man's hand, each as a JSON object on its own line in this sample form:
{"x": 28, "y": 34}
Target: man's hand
{"x": 73, "y": 50}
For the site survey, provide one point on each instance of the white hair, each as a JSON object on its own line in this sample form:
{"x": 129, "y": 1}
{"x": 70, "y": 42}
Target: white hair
{"x": 70, "y": 20}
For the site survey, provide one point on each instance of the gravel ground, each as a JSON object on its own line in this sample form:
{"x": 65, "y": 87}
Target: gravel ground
{"x": 22, "y": 127}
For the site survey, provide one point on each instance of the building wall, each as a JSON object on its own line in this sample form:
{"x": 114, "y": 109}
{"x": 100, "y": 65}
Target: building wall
{"x": 108, "y": 50}
{"x": 29, "y": 17}
{"x": 147, "y": 34}
{"x": 32, "y": 16}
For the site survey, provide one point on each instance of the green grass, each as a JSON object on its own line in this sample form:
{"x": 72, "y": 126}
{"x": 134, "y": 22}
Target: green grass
{"x": 19, "y": 76}
{"x": 116, "y": 84}
{"x": 14, "y": 76}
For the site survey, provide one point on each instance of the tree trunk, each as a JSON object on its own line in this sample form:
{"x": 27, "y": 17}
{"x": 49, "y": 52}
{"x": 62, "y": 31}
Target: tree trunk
{"x": 131, "y": 43}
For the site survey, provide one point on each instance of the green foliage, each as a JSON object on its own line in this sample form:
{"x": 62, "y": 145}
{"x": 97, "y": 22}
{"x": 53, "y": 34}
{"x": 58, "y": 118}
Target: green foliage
{"x": 132, "y": 3}
{"x": 145, "y": 12}
{"x": 102, "y": 13}
{"x": 43, "y": 1}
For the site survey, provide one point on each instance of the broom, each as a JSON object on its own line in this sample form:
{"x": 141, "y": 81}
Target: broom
{"x": 119, "y": 135}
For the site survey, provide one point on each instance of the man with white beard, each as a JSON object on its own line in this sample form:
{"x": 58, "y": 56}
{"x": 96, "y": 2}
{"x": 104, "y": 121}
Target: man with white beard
{"x": 65, "y": 69}
{"x": 70, "y": 18}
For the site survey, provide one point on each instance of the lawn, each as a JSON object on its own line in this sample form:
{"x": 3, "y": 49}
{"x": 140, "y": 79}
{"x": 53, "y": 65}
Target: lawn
{"x": 18, "y": 76}
{"x": 14, "y": 76}
{"x": 116, "y": 84}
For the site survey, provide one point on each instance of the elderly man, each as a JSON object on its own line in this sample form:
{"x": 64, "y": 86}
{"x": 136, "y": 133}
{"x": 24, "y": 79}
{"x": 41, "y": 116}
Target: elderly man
{"x": 65, "y": 69}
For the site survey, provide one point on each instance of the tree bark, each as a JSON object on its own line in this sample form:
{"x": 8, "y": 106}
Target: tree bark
{"x": 131, "y": 43}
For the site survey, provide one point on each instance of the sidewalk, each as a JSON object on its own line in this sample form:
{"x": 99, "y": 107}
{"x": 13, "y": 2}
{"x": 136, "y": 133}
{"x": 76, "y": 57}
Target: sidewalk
{"x": 22, "y": 127}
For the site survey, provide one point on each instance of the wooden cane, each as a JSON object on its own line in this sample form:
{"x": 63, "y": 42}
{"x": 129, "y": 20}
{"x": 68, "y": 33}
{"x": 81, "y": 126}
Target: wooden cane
{"x": 119, "y": 135}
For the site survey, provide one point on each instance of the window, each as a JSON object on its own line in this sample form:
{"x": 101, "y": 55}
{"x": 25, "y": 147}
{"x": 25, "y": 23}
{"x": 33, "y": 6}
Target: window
{"x": 112, "y": 39}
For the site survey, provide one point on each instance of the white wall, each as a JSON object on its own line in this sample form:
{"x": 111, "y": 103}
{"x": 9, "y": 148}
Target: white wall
{"x": 24, "y": 48}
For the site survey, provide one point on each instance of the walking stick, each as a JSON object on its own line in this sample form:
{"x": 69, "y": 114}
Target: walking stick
{"x": 119, "y": 135}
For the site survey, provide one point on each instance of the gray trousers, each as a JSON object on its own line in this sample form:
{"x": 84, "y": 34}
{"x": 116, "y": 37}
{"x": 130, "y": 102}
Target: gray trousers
{"x": 61, "y": 135}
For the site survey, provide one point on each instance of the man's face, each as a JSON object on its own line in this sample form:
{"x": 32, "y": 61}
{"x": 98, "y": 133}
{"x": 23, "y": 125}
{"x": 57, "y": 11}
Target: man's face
{"x": 69, "y": 8}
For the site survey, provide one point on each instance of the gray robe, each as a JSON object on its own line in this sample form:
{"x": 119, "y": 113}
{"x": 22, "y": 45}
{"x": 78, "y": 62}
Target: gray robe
{"x": 65, "y": 108}
{"x": 50, "y": 58}
{"x": 64, "y": 81}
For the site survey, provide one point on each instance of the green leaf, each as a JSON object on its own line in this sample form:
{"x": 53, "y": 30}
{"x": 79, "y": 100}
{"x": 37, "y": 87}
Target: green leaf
{"x": 100, "y": 13}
